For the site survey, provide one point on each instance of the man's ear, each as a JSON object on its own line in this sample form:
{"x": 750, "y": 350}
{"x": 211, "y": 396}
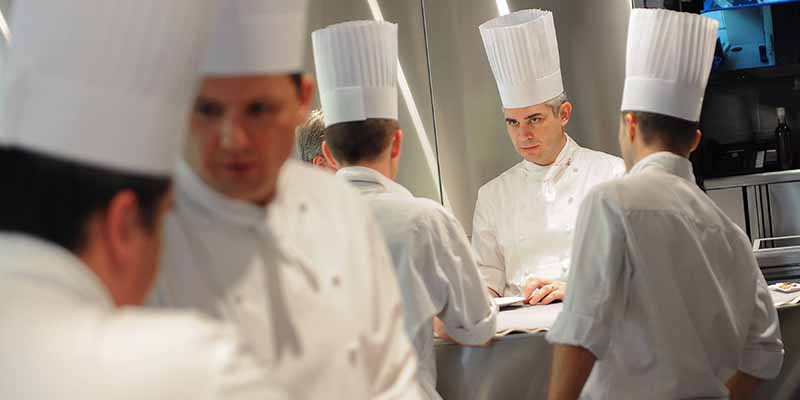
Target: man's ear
{"x": 631, "y": 127}
{"x": 319, "y": 161}
{"x": 122, "y": 227}
{"x": 698, "y": 136}
{"x": 397, "y": 144}
{"x": 565, "y": 112}
{"x": 326, "y": 151}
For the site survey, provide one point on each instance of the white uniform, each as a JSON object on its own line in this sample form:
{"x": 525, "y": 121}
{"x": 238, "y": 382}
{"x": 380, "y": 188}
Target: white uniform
{"x": 304, "y": 279}
{"x": 524, "y": 219}
{"x": 665, "y": 290}
{"x": 62, "y": 338}
{"x": 435, "y": 267}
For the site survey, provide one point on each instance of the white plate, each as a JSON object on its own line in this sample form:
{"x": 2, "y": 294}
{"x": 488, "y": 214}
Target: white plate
{"x": 794, "y": 287}
{"x": 508, "y": 301}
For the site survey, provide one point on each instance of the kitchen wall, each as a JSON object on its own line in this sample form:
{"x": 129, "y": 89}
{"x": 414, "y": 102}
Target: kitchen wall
{"x": 450, "y": 111}
{"x": 742, "y": 109}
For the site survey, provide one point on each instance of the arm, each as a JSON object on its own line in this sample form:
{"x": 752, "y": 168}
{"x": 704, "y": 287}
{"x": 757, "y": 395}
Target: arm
{"x": 762, "y": 356}
{"x": 742, "y": 386}
{"x": 488, "y": 253}
{"x": 598, "y": 282}
{"x": 571, "y": 368}
{"x": 453, "y": 280}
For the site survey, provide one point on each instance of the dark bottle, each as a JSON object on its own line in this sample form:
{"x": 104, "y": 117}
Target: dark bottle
{"x": 783, "y": 138}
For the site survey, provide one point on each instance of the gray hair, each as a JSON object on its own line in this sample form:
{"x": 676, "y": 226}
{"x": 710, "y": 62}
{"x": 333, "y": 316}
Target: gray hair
{"x": 310, "y": 136}
{"x": 556, "y": 102}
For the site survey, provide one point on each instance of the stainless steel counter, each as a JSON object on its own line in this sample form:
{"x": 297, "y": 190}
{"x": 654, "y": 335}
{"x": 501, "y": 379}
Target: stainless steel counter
{"x": 517, "y": 366}
{"x": 764, "y": 178}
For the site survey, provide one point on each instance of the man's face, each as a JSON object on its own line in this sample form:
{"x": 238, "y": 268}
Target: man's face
{"x": 537, "y": 133}
{"x": 242, "y": 131}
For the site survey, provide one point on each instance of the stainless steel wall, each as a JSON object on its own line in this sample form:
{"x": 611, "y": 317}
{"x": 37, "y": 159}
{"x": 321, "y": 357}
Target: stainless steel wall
{"x": 473, "y": 144}
{"x": 454, "y": 126}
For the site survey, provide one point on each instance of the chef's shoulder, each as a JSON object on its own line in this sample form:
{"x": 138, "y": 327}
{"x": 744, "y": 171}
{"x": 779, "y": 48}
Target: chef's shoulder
{"x": 301, "y": 180}
{"x": 177, "y": 354}
{"x": 658, "y": 192}
{"x": 426, "y": 214}
{"x": 508, "y": 181}
{"x": 604, "y": 163}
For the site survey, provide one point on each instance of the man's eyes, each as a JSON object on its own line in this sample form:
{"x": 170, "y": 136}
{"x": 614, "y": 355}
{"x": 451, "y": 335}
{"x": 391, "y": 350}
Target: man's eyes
{"x": 259, "y": 108}
{"x": 208, "y": 109}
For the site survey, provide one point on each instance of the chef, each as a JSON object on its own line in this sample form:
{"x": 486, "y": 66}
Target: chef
{"x": 434, "y": 263}
{"x": 284, "y": 251}
{"x": 666, "y": 300}
{"x": 89, "y": 142}
{"x": 524, "y": 218}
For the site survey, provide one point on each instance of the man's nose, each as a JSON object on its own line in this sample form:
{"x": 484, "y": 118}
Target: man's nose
{"x": 233, "y": 136}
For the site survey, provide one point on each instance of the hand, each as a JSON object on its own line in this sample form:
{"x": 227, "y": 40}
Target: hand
{"x": 440, "y": 330}
{"x": 544, "y": 291}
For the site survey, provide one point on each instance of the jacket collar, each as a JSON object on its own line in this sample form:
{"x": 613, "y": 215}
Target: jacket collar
{"x": 192, "y": 192}
{"x": 25, "y": 255}
{"x": 367, "y": 180}
{"x": 667, "y": 162}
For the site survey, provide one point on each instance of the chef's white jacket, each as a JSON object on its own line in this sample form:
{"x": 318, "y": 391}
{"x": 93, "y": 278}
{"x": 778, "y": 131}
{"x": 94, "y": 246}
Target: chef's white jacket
{"x": 62, "y": 338}
{"x": 435, "y": 268}
{"x": 307, "y": 280}
{"x": 524, "y": 219}
{"x": 665, "y": 290}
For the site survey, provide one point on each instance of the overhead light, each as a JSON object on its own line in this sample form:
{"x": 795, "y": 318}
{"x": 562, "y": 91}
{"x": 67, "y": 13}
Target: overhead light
{"x": 502, "y": 7}
{"x": 4, "y": 28}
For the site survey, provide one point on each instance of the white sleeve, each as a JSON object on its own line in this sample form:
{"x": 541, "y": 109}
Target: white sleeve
{"x": 763, "y": 353}
{"x": 489, "y": 255}
{"x": 391, "y": 359}
{"x": 597, "y": 279}
{"x": 468, "y": 314}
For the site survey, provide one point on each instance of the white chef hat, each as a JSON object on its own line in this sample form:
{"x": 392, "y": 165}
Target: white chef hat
{"x": 104, "y": 82}
{"x": 258, "y": 37}
{"x": 356, "y": 65}
{"x": 668, "y": 62}
{"x": 523, "y": 52}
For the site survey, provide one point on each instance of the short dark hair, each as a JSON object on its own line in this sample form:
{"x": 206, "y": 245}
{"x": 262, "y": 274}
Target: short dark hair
{"x": 52, "y": 199}
{"x": 674, "y": 133}
{"x": 352, "y": 142}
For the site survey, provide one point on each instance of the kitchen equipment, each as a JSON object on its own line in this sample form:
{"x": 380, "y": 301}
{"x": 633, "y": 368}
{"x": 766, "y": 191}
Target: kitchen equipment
{"x": 778, "y": 258}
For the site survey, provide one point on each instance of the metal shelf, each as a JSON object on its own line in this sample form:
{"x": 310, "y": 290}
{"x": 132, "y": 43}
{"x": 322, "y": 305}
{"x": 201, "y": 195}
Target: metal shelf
{"x": 764, "y": 178}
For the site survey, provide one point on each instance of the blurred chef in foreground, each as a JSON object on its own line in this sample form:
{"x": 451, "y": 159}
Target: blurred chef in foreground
{"x": 434, "y": 263}
{"x": 666, "y": 300}
{"x": 92, "y": 132}
{"x": 310, "y": 135}
{"x": 246, "y": 242}
{"x": 524, "y": 218}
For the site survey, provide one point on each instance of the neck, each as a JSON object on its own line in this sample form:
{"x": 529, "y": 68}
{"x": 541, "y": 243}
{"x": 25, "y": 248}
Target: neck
{"x": 647, "y": 151}
{"x": 99, "y": 263}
